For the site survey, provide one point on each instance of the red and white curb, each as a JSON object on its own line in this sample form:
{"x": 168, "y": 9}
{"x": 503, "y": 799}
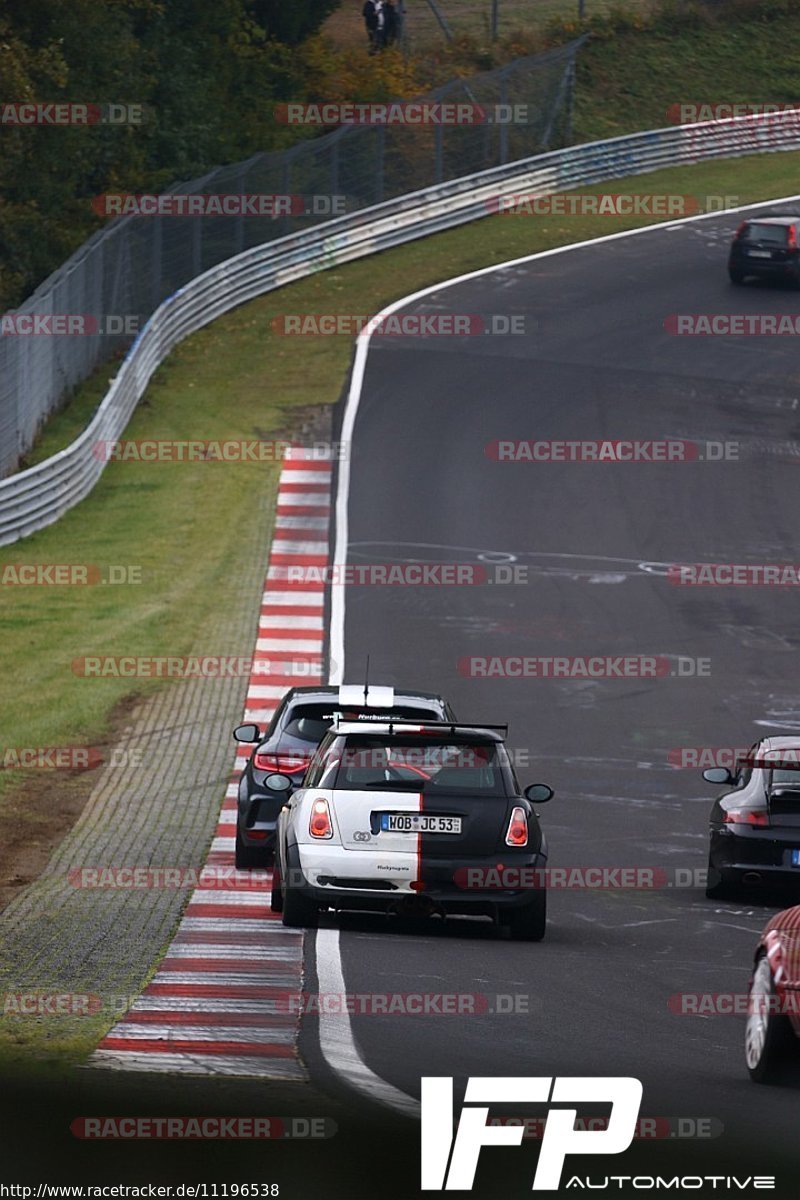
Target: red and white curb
{"x": 221, "y": 1000}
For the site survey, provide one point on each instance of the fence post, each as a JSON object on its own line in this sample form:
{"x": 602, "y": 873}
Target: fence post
{"x": 380, "y": 155}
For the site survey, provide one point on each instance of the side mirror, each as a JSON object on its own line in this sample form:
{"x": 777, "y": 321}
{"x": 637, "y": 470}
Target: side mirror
{"x": 278, "y": 783}
{"x": 718, "y": 775}
{"x": 247, "y": 733}
{"x": 538, "y": 793}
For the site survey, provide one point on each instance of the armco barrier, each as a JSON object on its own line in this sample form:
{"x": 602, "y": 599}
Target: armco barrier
{"x": 38, "y": 496}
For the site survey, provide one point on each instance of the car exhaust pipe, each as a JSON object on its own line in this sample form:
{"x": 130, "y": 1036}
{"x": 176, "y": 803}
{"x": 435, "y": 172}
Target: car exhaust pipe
{"x": 416, "y": 906}
{"x": 752, "y": 877}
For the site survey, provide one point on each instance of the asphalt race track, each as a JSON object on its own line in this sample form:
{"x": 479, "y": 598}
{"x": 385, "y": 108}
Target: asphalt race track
{"x": 595, "y": 540}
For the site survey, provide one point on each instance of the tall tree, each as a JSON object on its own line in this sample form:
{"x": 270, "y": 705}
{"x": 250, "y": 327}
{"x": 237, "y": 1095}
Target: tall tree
{"x": 291, "y": 21}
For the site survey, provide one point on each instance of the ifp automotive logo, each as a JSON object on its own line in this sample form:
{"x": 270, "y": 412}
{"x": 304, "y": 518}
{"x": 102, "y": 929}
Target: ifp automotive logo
{"x": 449, "y": 1164}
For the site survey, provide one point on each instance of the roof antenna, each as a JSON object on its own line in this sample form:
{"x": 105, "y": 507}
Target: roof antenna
{"x": 366, "y": 685}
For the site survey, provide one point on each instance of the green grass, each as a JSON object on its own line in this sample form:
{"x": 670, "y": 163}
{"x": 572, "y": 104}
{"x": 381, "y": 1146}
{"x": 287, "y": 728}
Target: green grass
{"x": 627, "y": 82}
{"x": 642, "y": 57}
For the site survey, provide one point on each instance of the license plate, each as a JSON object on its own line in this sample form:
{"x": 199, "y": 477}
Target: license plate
{"x": 760, "y": 253}
{"x": 419, "y": 823}
{"x": 796, "y": 858}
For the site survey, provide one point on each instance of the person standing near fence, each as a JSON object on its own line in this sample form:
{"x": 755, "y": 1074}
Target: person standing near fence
{"x": 380, "y": 32}
{"x": 391, "y": 23}
{"x": 370, "y": 15}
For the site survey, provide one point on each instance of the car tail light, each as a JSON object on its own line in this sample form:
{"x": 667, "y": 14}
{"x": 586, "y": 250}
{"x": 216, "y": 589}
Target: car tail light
{"x": 792, "y": 238}
{"x": 320, "y": 824}
{"x": 740, "y": 230}
{"x": 746, "y": 816}
{"x": 284, "y": 764}
{"x": 517, "y": 834}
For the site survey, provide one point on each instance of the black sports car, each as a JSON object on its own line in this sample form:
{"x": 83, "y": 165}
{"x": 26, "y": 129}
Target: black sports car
{"x": 301, "y": 720}
{"x": 755, "y": 823}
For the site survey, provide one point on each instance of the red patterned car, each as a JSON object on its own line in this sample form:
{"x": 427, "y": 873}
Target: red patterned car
{"x": 773, "y": 1021}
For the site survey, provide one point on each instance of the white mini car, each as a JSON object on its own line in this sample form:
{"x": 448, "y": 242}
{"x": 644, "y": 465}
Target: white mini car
{"x": 412, "y": 818}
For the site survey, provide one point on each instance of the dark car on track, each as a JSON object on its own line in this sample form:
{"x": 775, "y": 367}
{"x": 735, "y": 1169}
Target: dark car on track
{"x": 773, "y": 1017}
{"x": 768, "y": 248}
{"x": 425, "y": 819}
{"x": 298, "y": 725}
{"x": 754, "y": 826}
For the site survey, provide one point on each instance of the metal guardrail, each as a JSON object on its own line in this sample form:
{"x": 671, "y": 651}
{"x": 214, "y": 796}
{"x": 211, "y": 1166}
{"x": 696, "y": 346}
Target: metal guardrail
{"x": 37, "y": 497}
{"x": 116, "y": 280}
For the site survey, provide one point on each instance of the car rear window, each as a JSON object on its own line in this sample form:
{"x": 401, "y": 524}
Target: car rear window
{"x": 776, "y": 235}
{"x": 310, "y": 722}
{"x": 421, "y": 763}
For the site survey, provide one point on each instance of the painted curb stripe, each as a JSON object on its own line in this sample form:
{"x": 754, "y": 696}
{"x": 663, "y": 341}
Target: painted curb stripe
{"x": 223, "y": 1000}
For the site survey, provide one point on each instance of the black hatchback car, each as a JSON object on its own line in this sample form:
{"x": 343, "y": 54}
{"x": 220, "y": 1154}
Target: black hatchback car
{"x": 301, "y": 720}
{"x": 755, "y": 823}
{"x": 766, "y": 247}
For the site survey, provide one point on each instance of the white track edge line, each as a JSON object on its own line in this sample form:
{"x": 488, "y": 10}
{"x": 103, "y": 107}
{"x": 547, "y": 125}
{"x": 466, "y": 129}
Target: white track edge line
{"x": 337, "y": 1044}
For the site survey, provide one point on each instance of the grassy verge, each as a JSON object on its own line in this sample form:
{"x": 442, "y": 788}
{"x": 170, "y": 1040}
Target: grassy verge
{"x": 628, "y": 78}
{"x": 178, "y": 523}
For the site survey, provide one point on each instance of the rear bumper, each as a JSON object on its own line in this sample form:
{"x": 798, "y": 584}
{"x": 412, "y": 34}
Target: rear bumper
{"x": 756, "y": 858}
{"x": 346, "y": 879}
{"x": 764, "y": 267}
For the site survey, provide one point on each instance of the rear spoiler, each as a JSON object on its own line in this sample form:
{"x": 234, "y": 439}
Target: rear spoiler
{"x": 439, "y": 726}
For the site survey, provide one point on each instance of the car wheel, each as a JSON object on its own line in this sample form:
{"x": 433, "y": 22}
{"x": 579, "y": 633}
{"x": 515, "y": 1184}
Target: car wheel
{"x": 715, "y": 888}
{"x": 528, "y": 924}
{"x": 298, "y": 911}
{"x": 276, "y": 896}
{"x": 768, "y": 1035}
{"x": 248, "y": 857}
{"x": 735, "y": 275}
